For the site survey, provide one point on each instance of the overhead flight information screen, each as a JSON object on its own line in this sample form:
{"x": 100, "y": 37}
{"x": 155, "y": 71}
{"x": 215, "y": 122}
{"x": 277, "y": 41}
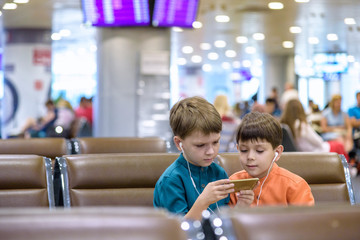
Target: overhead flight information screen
{"x": 169, "y": 13}
{"x": 112, "y": 13}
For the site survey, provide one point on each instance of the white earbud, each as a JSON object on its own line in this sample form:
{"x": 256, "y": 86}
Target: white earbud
{"x": 180, "y": 145}
{"x": 276, "y": 154}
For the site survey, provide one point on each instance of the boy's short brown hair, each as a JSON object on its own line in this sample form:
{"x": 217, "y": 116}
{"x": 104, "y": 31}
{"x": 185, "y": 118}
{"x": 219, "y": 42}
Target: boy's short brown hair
{"x": 194, "y": 114}
{"x": 256, "y": 125}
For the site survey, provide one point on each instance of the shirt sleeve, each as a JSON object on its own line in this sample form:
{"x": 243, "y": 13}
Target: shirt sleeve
{"x": 172, "y": 195}
{"x": 300, "y": 194}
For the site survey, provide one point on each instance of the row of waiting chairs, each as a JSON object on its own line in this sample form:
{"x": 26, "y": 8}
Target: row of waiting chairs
{"x": 128, "y": 223}
{"x": 124, "y": 179}
{"x": 57, "y": 147}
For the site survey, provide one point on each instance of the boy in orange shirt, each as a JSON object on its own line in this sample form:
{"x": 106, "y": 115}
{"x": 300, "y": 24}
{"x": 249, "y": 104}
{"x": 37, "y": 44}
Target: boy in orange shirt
{"x": 259, "y": 140}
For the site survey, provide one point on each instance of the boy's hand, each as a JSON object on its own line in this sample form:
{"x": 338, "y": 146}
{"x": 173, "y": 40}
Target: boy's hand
{"x": 245, "y": 198}
{"x": 217, "y": 190}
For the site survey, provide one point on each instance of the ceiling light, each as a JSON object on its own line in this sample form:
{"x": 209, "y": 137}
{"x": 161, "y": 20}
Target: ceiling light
{"x": 241, "y": 39}
{"x": 187, "y": 49}
{"x": 213, "y": 56}
{"x": 55, "y": 36}
{"x": 222, "y": 18}
{"x": 250, "y": 50}
{"x": 181, "y": 61}
{"x": 206, "y": 67}
{"x": 259, "y": 36}
{"x": 220, "y": 44}
{"x": 197, "y": 24}
{"x": 230, "y": 53}
{"x": 295, "y": 29}
{"x": 9, "y": 6}
{"x": 177, "y": 29}
{"x": 21, "y": 1}
{"x": 196, "y": 59}
{"x": 313, "y": 40}
{"x": 0, "y": 13}
{"x": 205, "y": 46}
{"x": 332, "y": 37}
{"x": 288, "y": 44}
{"x": 276, "y": 5}
{"x": 349, "y": 21}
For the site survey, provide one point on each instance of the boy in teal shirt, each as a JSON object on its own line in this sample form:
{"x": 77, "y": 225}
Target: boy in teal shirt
{"x": 194, "y": 183}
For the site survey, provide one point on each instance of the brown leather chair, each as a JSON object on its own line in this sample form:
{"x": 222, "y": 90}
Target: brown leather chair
{"x": 112, "y": 179}
{"x": 26, "y": 181}
{"x": 323, "y": 222}
{"x": 47, "y": 147}
{"x": 127, "y": 223}
{"x": 326, "y": 173}
{"x": 87, "y": 145}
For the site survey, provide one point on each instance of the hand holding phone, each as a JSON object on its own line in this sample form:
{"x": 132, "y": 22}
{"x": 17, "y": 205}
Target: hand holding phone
{"x": 244, "y": 184}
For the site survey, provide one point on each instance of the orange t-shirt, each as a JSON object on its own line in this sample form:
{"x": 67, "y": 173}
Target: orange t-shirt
{"x": 282, "y": 187}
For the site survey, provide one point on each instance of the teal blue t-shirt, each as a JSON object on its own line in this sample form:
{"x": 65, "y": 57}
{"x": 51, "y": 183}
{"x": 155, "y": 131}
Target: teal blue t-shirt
{"x": 175, "y": 192}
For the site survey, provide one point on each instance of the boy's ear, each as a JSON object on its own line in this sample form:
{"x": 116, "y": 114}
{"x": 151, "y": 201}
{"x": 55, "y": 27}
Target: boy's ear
{"x": 177, "y": 142}
{"x": 279, "y": 149}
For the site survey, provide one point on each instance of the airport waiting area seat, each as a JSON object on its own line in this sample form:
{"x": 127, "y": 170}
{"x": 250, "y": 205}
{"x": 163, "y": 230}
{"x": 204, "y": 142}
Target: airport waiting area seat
{"x": 129, "y": 179}
{"x": 320, "y": 222}
{"x": 127, "y": 223}
{"x": 111, "y": 179}
{"x": 327, "y": 173}
{"x": 88, "y": 145}
{"x": 26, "y": 181}
{"x": 47, "y": 147}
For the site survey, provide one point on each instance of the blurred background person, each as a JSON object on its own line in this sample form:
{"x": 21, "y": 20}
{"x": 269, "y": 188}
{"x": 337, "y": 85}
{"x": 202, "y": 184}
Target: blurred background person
{"x": 65, "y": 122}
{"x": 39, "y": 127}
{"x": 230, "y": 124}
{"x": 314, "y": 118}
{"x": 306, "y": 139}
{"x": 271, "y": 107}
{"x": 84, "y": 117}
{"x": 289, "y": 93}
{"x": 335, "y": 124}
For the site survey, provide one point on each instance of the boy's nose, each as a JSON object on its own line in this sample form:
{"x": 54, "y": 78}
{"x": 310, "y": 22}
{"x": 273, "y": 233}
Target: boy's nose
{"x": 210, "y": 150}
{"x": 251, "y": 155}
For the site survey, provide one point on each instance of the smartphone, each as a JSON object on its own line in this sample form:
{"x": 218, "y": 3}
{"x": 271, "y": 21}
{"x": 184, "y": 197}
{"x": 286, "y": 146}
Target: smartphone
{"x": 244, "y": 184}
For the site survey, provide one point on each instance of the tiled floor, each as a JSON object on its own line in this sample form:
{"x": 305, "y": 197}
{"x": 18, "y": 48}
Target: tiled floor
{"x": 356, "y": 188}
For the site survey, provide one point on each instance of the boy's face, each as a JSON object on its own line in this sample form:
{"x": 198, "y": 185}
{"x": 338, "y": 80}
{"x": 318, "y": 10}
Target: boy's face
{"x": 256, "y": 156}
{"x": 200, "y": 149}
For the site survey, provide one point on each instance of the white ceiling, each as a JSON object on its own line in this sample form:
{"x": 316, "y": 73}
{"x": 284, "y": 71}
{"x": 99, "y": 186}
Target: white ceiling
{"x": 317, "y": 18}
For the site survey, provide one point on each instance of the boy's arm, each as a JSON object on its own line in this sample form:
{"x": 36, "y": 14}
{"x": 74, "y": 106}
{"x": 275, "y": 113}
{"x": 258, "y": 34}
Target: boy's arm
{"x": 300, "y": 194}
{"x": 213, "y": 192}
{"x": 170, "y": 194}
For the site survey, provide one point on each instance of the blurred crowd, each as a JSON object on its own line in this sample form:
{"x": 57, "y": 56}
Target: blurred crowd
{"x": 331, "y": 129}
{"x": 61, "y": 120}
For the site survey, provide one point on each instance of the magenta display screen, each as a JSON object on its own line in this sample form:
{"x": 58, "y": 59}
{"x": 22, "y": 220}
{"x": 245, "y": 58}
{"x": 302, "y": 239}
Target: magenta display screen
{"x": 169, "y": 13}
{"x": 113, "y": 13}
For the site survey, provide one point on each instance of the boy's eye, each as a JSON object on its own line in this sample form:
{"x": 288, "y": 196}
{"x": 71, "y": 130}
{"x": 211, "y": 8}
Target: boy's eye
{"x": 243, "y": 150}
{"x": 200, "y": 145}
{"x": 260, "y": 151}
